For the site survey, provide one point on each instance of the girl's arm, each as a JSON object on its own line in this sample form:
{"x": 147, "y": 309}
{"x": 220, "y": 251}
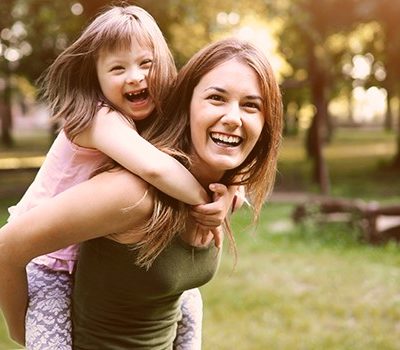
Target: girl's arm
{"x": 112, "y": 135}
{"x": 88, "y": 210}
{"x": 212, "y": 214}
{"x": 209, "y": 216}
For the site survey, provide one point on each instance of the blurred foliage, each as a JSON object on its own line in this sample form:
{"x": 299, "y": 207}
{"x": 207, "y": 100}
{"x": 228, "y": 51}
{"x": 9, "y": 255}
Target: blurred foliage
{"x": 35, "y": 33}
{"x": 318, "y": 41}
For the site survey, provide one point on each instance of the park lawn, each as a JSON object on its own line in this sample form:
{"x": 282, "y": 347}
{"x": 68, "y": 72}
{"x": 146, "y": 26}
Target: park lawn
{"x": 303, "y": 288}
{"x": 5, "y": 342}
{"x": 27, "y": 144}
{"x": 307, "y": 286}
{"x": 359, "y": 165}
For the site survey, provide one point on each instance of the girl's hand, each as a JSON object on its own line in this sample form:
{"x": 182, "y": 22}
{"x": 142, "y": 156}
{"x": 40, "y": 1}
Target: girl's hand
{"x": 212, "y": 215}
{"x": 209, "y": 217}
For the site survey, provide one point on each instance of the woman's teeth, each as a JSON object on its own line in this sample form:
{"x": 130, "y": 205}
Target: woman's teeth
{"x": 225, "y": 139}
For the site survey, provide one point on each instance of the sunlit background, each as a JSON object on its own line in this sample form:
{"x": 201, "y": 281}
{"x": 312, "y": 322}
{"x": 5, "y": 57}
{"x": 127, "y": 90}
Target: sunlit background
{"x": 328, "y": 281}
{"x": 336, "y": 60}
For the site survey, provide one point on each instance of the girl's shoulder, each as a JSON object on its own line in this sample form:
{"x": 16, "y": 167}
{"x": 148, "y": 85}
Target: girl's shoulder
{"x": 107, "y": 116}
{"x": 104, "y": 122}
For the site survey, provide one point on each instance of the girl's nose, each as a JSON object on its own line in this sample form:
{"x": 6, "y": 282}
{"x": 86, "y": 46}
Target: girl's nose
{"x": 135, "y": 77}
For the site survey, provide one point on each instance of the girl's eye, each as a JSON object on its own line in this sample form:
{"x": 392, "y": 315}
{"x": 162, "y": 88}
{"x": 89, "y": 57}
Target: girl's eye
{"x": 116, "y": 68}
{"x": 147, "y": 63}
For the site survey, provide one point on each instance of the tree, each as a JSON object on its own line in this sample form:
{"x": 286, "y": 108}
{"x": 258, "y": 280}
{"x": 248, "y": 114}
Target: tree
{"x": 388, "y": 14}
{"x": 31, "y": 37}
{"x": 309, "y": 24}
{"x": 9, "y": 54}
{"x": 385, "y": 47}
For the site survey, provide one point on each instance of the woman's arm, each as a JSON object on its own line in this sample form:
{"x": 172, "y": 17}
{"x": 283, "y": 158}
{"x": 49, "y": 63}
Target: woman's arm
{"x": 88, "y": 210}
{"x": 112, "y": 135}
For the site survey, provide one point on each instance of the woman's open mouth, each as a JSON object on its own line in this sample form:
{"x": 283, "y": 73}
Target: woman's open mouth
{"x": 225, "y": 140}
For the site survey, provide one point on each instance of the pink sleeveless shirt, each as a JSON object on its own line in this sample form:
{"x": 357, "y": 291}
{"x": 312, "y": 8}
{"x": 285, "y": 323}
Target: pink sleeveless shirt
{"x": 66, "y": 165}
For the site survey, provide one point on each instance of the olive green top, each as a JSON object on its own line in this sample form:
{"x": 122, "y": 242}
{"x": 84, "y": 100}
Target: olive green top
{"x": 118, "y": 305}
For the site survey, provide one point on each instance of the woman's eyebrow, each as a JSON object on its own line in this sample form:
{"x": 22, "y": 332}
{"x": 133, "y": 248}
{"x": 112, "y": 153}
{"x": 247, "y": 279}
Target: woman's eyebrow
{"x": 215, "y": 88}
{"x": 255, "y": 97}
{"x": 250, "y": 97}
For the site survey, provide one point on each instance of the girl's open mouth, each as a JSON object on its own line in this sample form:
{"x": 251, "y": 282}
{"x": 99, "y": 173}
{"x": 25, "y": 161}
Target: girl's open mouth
{"x": 137, "y": 96}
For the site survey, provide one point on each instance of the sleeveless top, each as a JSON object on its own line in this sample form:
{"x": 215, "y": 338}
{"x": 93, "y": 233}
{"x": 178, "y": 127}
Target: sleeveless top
{"x": 66, "y": 165}
{"x": 118, "y": 305}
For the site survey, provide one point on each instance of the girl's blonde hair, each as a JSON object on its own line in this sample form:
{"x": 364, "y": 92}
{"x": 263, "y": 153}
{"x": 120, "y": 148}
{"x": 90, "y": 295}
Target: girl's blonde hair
{"x": 172, "y": 130}
{"x": 70, "y": 85}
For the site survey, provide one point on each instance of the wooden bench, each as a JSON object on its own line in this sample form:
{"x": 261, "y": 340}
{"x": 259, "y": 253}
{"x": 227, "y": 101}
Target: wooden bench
{"x": 377, "y": 223}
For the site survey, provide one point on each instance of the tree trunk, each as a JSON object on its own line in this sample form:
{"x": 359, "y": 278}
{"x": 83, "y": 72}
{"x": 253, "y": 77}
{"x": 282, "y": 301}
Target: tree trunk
{"x": 320, "y": 174}
{"x": 315, "y": 133}
{"x": 396, "y": 161}
{"x": 388, "y": 123}
{"x": 6, "y": 116}
{"x": 350, "y": 116}
{"x": 329, "y": 127}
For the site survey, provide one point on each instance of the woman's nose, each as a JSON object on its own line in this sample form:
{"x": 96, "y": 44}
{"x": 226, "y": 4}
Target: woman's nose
{"x": 233, "y": 117}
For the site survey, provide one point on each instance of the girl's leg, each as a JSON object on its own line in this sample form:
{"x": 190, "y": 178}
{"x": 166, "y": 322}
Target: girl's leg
{"x": 48, "y": 322}
{"x": 188, "y": 335}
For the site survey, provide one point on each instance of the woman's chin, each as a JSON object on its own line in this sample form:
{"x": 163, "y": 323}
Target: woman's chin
{"x": 222, "y": 164}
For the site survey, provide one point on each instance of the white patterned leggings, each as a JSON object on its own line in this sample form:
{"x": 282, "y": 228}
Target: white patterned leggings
{"x": 48, "y": 323}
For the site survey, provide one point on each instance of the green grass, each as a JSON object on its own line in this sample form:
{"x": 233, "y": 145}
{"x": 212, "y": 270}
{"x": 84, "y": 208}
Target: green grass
{"x": 5, "y": 342}
{"x": 307, "y": 286}
{"x": 27, "y": 144}
{"x": 303, "y": 288}
{"x": 358, "y": 163}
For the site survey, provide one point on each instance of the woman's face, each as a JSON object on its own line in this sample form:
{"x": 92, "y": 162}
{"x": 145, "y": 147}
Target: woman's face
{"x": 226, "y": 117}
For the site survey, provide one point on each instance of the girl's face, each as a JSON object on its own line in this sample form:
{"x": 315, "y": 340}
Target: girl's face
{"x": 123, "y": 80}
{"x": 226, "y": 117}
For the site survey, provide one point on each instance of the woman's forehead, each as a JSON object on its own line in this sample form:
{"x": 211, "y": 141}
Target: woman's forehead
{"x": 234, "y": 73}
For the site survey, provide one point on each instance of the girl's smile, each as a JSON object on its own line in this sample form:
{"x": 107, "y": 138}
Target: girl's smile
{"x": 123, "y": 80}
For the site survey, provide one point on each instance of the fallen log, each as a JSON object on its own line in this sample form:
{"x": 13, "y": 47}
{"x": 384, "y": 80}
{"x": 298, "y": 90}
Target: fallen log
{"x": 376, "y": 223}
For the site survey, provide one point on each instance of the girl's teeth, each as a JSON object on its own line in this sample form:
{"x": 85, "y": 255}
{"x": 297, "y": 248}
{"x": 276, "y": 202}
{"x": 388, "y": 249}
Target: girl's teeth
{"x": 131, "y": 94}
{"x": 138, "y": 95}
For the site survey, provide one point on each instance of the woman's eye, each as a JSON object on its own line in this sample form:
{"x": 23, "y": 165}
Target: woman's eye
{"x": 215, "y": 98}
{"x": 253, "y": 106}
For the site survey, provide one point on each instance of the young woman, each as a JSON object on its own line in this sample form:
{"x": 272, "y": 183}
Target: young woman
{"x": 141, "y": 250}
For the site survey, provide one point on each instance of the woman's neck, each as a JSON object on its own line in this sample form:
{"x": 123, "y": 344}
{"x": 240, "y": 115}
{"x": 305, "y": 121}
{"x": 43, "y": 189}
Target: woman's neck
{"x": 204, "y": 174}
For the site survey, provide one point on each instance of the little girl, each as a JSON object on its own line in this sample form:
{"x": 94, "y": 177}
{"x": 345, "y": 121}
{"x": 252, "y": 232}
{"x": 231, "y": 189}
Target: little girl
{"x": 116, "y": 73}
